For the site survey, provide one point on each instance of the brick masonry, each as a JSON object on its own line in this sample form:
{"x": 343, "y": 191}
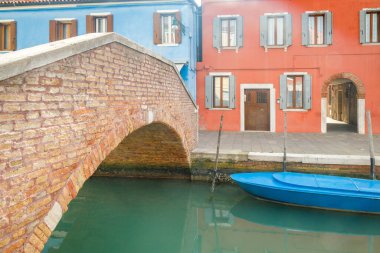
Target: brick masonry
{"x": 61, "y": 120}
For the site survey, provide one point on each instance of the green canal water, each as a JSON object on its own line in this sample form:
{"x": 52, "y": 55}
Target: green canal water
{"x": 168, "y": 216}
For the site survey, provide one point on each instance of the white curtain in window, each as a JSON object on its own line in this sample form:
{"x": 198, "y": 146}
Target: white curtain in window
{"x": 367, "y": 27}
{"x": 226, "y": 91}
{"x": 224, "y": 33}
{"x": 299, "y": 91}
{"x": 374, "y": 27}
{"x": 289, "y": 97}
{"x": 66, "y": 31}
{"x": 280, "y": 31}
{"x": 271, "y": 31}
{"x": 168, "y": 33}
{"x": 217, "y": 83}
{"x": 101, "y": 25}
{"x": 320, "y": 20}
{"x": 233, "y": 32}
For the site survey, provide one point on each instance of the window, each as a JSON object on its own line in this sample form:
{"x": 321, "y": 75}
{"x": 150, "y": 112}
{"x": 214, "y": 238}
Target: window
{"x": 168, "y": 32}
{"x": 220, "y": 91}
{"x": 294, "y": 88}
{"x": 370, "y": 26}
{"x": 7, "y": 35}
{"x": 295, "y": 91}
{"x": 62, "y": 29}
{"x": 99, "y": 23}
{"x": 276, "y": 30}
{"x": 167, "y": 28}
{"x": 317, "y": 28}
{"x": 228, "y": 32}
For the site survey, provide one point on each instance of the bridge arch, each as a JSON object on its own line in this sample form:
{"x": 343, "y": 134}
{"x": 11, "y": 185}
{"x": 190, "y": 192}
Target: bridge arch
{"x": 64, "y": 108}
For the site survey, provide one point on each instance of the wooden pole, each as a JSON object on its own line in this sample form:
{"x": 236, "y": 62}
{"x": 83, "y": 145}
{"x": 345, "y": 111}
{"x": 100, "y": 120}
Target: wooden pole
{"x": 285, "y": 137}
{"x": 217, "y": 155}
{"x": 371, "y": 148}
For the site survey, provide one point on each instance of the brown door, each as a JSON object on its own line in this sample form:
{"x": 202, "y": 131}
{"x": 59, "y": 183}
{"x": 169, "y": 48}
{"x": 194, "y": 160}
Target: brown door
{"x": 256, "y": 109}
{"x": 340, "y": 105}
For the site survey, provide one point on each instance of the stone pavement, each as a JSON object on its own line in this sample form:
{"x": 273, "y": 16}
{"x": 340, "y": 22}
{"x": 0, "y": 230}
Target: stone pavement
{"x": 329, "y": 148}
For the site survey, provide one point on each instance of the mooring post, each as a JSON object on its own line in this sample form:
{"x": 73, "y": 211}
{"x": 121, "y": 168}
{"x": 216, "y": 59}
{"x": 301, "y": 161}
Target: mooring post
{"x": 217, "y": 155}
{"x": 371, "y": 148}
{"x": 285, "y": 137}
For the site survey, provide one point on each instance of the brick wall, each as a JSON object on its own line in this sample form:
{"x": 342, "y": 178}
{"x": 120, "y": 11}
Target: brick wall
{"x": 60, "y": 121}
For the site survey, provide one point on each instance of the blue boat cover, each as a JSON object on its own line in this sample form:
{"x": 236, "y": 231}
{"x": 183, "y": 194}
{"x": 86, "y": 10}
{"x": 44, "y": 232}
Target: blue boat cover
{"x": 329, "y": 182}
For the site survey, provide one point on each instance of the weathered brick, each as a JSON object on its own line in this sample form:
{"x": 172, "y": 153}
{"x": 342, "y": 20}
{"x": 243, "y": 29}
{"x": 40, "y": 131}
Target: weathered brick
{"x": 11, "y": 117}
{"x": 25, "y": 125}
{"x": 11, "y": 107}
{"x": 33, "y": 106}
{"x": 9, "y": 97}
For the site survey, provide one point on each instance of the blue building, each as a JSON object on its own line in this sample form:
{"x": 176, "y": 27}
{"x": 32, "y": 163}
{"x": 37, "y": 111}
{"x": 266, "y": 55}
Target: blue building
{"x": 167, "y": 27}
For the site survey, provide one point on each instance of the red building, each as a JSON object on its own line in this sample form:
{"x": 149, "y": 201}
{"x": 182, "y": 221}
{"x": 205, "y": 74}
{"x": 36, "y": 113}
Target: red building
{"x": 318, "y": 60}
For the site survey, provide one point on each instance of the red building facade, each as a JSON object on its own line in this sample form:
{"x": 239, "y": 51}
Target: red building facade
{"x": 317, "y": 60}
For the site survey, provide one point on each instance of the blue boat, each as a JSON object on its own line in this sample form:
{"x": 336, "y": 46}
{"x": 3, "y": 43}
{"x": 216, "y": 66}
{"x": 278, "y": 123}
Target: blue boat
{"x": 312, "y": 190}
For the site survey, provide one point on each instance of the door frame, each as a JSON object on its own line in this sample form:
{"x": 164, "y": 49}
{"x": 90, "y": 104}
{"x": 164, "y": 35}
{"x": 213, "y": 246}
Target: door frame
{"x": 272, "y": 104}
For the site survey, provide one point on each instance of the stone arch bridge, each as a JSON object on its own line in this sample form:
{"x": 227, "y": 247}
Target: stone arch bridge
{"x": 64, "y": 107}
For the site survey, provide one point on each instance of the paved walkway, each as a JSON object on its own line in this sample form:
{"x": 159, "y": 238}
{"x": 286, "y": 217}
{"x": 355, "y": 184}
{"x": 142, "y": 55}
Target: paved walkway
{"x": 336, "y": 146}
{"x": 303, "y": 143}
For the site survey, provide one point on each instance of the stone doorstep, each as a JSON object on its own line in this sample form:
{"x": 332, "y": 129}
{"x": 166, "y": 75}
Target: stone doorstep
{"x": 238, "y": 155}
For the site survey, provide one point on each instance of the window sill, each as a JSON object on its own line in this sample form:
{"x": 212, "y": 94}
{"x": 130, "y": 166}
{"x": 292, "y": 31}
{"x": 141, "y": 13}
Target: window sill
{"x": 229, "y": 48}
{"x": 276, "y": 47}
{"x": 295, "y": 110}
{"x": 371, "y": 44}
{"x": 168, "y": 45}
{"x": 220, "y": 109}
{"x": 236, "y": 49}
{"x": 323, "y": 45}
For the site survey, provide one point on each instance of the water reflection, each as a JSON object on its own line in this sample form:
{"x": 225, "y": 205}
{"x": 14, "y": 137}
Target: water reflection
{"x": 119, "y": 215}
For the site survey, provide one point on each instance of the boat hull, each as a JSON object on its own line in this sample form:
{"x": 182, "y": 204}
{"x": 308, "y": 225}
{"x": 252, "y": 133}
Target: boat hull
{"x": 337, "y": 193}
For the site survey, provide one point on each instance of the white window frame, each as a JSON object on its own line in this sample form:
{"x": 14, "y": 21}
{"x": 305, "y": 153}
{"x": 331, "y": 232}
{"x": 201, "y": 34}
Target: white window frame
{"x": 171, "y": 16}
{"x": 277, "y": 14}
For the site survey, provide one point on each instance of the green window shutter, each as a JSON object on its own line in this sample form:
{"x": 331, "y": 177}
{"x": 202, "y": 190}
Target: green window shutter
{"x": 307, "y": 92}
{"x": 305, "y": 29}
{"x": 232, "y": 92}
{"x": 263, "y": 31}
{"x": 288, "y": 30}
{"x": 216, "y": 33}
{"x": 208, "y": 92}
{"x": 362, "y": 26}
{"x": 240, "y": 35}
{"x": 283, "y": 92}
{"x": 328, "y": 18}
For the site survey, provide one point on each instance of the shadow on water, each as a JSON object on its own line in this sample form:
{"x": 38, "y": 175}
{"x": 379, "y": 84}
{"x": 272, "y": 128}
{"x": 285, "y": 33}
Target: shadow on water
{"x": 169, "y": 216}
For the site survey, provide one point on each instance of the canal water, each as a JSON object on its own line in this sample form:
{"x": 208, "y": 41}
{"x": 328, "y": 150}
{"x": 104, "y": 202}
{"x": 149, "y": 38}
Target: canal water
{"x": 117, "y": 215}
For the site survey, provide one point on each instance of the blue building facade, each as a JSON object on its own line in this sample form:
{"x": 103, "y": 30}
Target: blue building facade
{"x": 169, "y": 28}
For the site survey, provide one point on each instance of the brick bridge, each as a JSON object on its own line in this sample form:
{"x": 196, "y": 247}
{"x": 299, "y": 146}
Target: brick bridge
{"x": 64, "y": 107}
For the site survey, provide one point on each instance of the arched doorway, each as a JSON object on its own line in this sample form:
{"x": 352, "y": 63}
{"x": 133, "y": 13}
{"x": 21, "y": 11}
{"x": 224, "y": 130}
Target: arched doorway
{"x": 343, "y": 104}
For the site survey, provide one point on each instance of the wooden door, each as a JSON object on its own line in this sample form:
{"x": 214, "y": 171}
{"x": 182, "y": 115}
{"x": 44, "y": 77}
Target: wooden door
{"x": 340, "y": 105}
{"x": 256, "y": 109}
